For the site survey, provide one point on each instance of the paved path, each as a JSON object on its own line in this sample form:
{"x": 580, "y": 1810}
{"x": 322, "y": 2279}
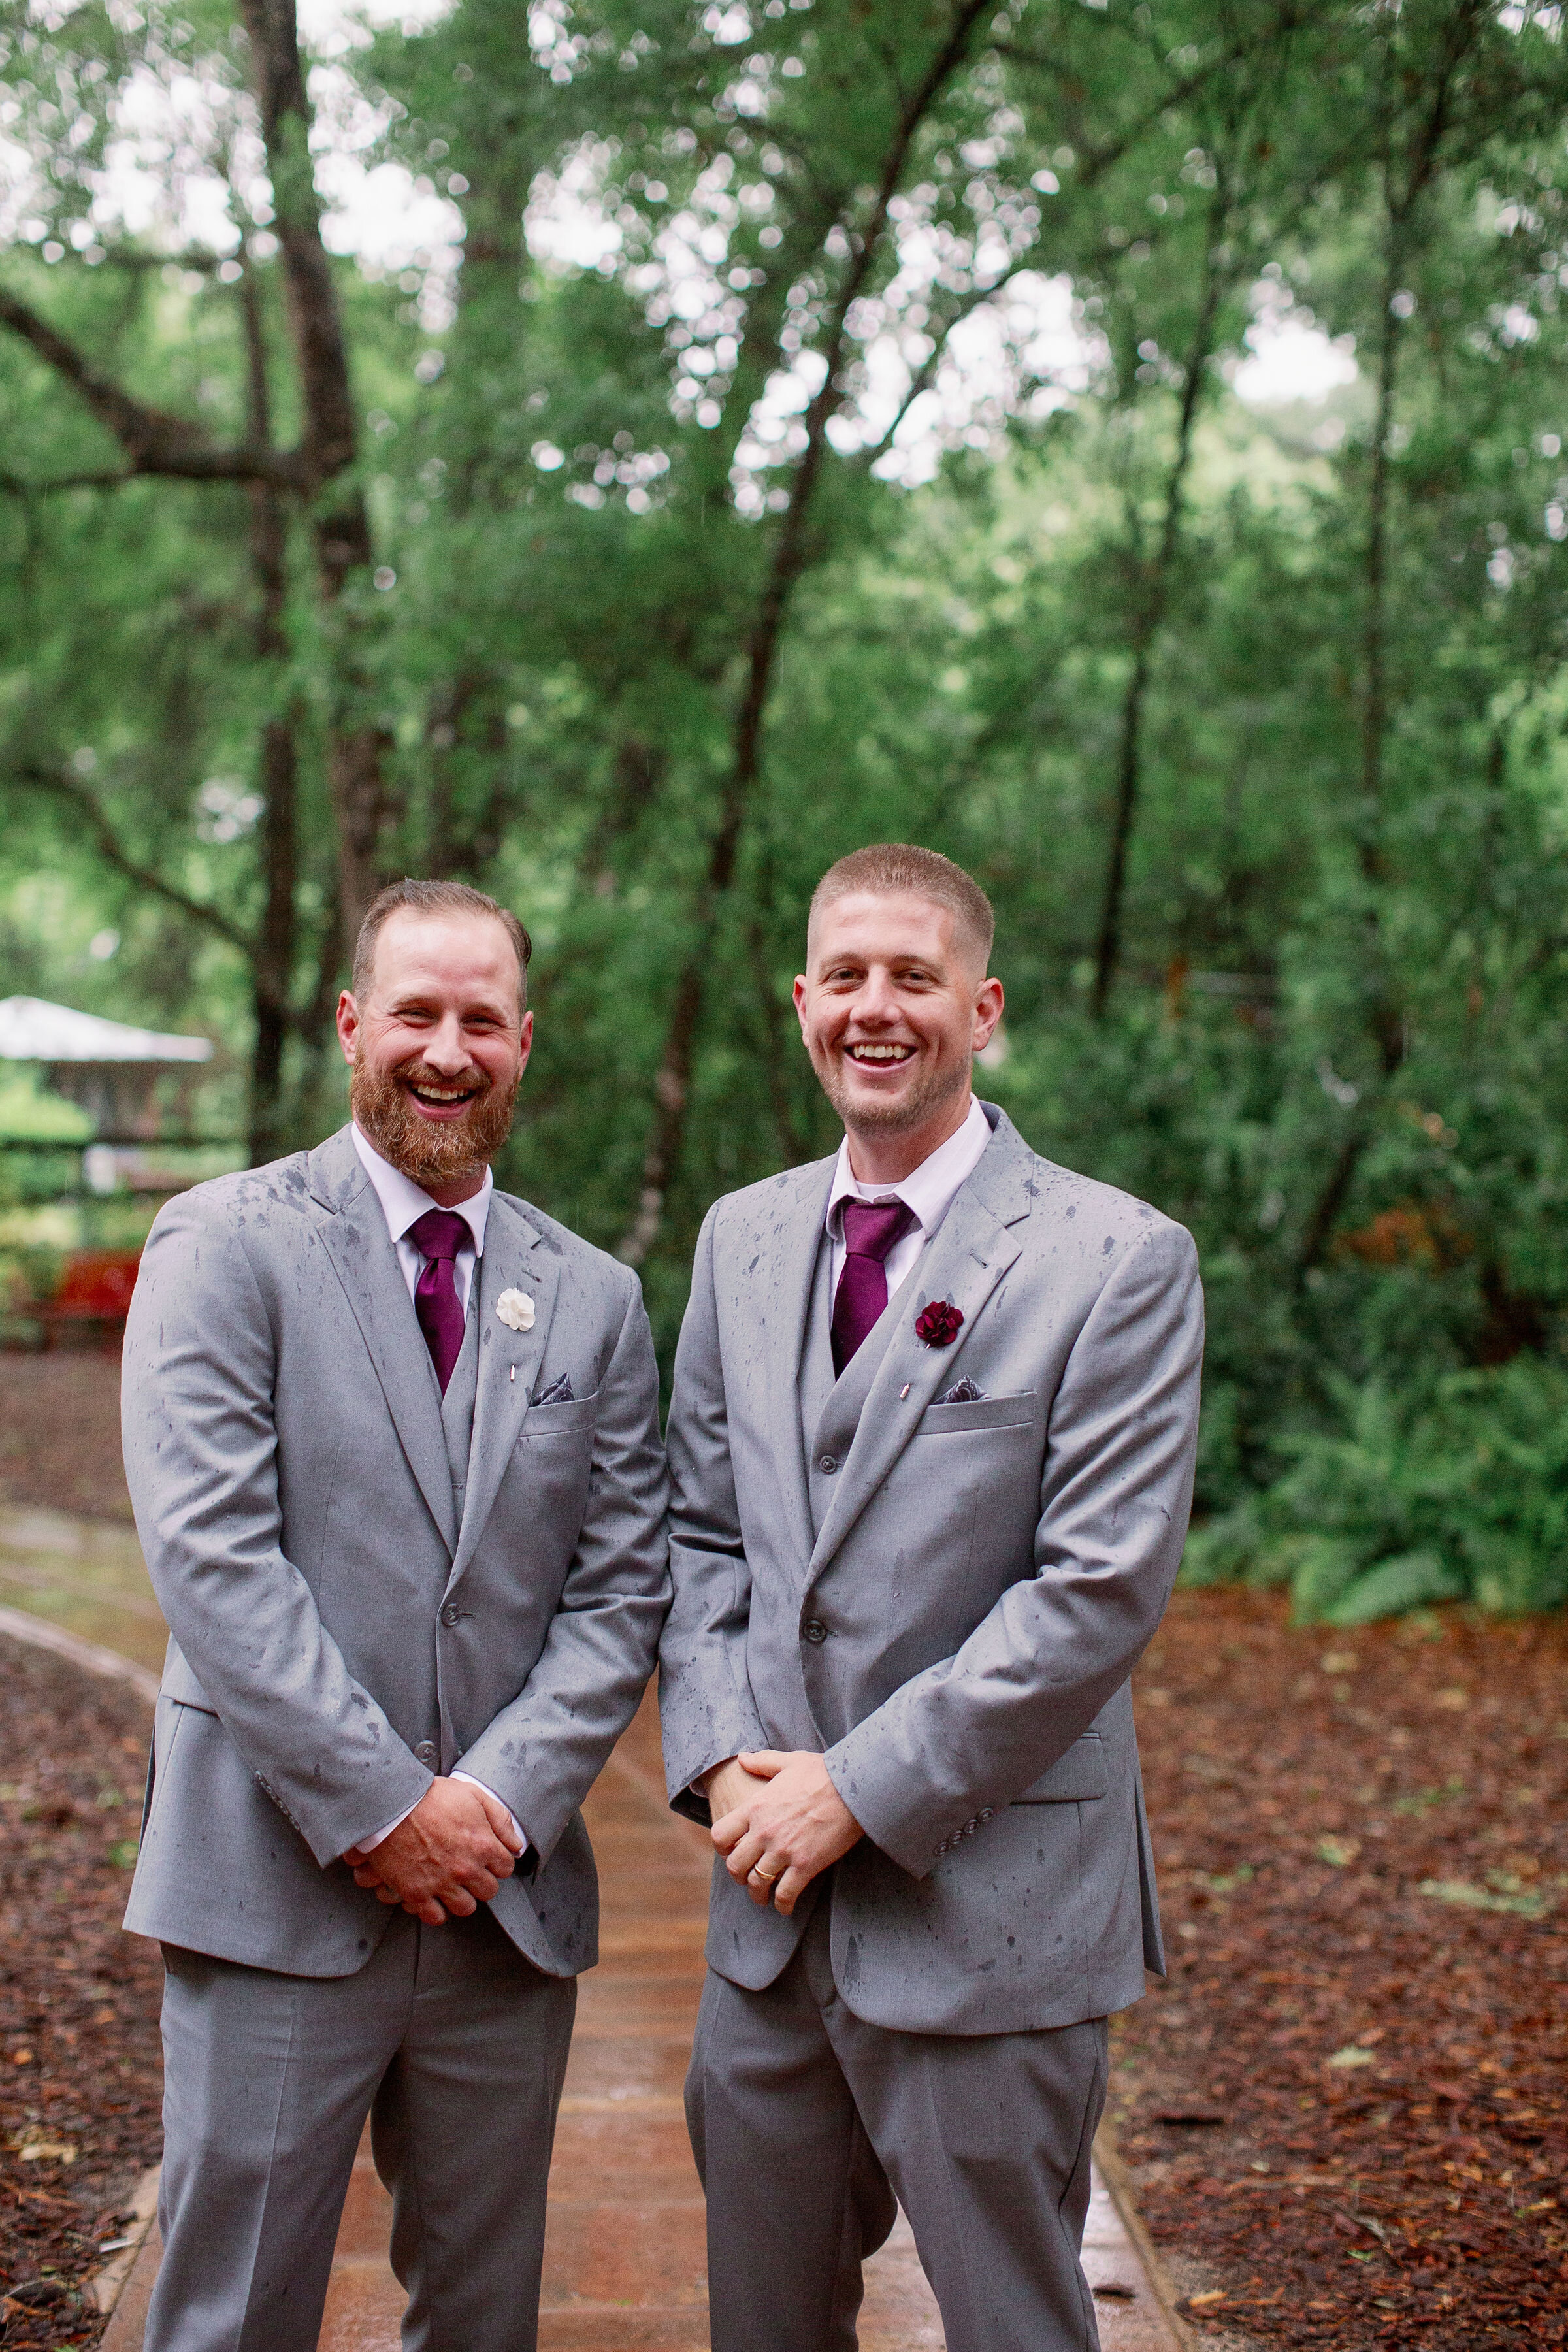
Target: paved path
{"x": 624, "y": 2259}
{"x": 624, "y": 2263}
{"x": 84, "y": 1575}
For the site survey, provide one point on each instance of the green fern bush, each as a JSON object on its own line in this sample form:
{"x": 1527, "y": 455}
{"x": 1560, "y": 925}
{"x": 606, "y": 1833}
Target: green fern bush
{"x": 1460, "y": 1494}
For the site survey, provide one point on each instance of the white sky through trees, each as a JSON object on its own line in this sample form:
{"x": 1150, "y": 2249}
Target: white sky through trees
{"x": 1026, "y": 352}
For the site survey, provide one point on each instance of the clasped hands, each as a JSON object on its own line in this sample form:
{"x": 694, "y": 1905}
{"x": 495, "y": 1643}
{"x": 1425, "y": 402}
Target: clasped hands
{"x": 445, "y": 1858}
{"x": 779, "y": 1822}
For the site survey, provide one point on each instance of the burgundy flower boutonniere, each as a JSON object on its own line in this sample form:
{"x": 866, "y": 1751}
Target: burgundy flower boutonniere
{"x": 939, "y": 1323}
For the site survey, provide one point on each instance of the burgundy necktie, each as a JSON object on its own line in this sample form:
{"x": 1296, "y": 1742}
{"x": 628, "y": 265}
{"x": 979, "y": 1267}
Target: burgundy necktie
{"x": 439, "y": 1235}
{"x": 871, "y": 1230}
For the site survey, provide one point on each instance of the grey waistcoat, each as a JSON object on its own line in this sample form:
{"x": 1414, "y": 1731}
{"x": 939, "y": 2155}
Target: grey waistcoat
{"x": 830, "y": 1409}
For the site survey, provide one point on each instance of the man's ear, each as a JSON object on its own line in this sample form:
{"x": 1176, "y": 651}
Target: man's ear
{"x": 989, "y": 999}
{"x": 800, "y": 1002}
{"x": 348, "y": 1025}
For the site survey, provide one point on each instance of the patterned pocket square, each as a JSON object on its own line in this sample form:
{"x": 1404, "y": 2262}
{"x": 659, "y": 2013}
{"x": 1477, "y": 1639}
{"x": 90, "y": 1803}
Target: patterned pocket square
{"x": 962, "y": 1392}
{"x": 558, "y": 1392}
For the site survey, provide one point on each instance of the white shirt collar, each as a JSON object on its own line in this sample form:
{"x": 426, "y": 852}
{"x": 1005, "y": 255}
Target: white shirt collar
{"x": 402, "y": 1202}
{"x": 930, "y": 1187}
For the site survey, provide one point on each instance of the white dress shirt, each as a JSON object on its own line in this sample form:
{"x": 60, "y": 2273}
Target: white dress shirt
{"x": 402, "y": 1204}
{"x": 928, "y": 1192}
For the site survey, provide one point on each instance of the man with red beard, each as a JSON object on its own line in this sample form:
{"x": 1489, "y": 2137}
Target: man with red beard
{"x": 392, "y": 1437}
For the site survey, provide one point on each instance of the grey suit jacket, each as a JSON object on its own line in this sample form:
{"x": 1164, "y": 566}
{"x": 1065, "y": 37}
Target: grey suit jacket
{"x": 346, "y": 1621}
{"x": 955, "y": 1623}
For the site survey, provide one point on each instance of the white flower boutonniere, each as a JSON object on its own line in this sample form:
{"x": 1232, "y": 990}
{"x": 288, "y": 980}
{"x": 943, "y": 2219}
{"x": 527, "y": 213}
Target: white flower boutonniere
{"x": 515, "y": 1308}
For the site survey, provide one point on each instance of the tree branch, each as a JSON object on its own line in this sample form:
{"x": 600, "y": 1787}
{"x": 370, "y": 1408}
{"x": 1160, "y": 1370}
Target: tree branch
{"x": 107, "y": 842}
{"x": 1091, "y": 168}
{"x": 154, "y": 441}
{"x": 1099, "y": 161}
{"x": 14, "y": 487}
{"x": 925, "y": 374}
{"x": 197, "y": 257}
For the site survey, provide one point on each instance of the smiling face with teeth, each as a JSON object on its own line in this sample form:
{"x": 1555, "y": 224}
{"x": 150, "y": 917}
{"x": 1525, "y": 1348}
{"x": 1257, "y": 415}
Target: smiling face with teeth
{"x": 894, "y": 1006}
{"x": 438, "y": 1042}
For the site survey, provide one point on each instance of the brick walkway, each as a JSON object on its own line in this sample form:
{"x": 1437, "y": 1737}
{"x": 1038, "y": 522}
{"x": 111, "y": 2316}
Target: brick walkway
{"x": 624, "y": 2264}
{"x": 623, "y": 2261}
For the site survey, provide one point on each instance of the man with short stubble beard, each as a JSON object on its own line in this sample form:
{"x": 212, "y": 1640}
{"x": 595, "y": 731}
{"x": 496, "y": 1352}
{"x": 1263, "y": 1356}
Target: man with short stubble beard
{"x": 932, "y": 1450}
{"x": 393, "y": 1441}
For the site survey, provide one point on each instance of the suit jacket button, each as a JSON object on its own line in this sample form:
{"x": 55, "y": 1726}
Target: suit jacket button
{"x": 985, "y": 1813}
{"x": 941, "y": 1848}
{"x": 814, "y": 1629}
{"x": 828, "y": 1464}
{"x": 450, "y": 1615}
{"x": 426, "y": 1751}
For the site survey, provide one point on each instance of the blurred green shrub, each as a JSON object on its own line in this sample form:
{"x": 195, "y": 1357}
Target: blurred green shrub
{"x": 28, "y": 1110}
{"x": 1456, "y": 1492}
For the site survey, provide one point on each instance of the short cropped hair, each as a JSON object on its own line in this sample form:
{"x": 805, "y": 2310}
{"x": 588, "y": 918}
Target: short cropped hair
{"x": 435, "y": 898}
{"x": 889, "y": 867}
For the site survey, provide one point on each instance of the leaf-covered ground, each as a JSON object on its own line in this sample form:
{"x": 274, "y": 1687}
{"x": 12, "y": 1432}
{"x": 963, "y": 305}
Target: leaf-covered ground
{"x": 80, "y": 2070}
{"x": 1347, "y": 2112}
{"x": 59, "y": 1433}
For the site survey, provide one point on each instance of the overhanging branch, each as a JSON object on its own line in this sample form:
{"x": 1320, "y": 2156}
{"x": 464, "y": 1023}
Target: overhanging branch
{"x": 154, "y": 441}
{"x": 13, "y": 486}
{"x": 109, "y": 847}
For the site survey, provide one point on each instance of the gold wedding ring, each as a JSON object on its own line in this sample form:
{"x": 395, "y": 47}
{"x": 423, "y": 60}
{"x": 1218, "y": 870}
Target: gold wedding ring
{"x": 758, "y": 1872}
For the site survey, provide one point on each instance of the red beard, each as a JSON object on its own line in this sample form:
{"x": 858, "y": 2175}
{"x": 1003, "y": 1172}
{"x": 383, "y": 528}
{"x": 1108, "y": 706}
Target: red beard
{"x": 431, "y": 1152}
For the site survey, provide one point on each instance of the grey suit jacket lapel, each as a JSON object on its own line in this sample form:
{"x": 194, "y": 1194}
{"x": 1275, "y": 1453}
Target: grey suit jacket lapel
{"x": 509, "y": 1361}
{"x": 353, "y": 1234}
{"x": 782, "y": 1291}
{"x": 966, "y": 1261}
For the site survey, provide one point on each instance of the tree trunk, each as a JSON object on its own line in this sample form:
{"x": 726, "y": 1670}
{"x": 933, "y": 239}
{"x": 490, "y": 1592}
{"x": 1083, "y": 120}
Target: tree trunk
{"x": 273, "y": 962}
{"x": 672, "y": 1084}
{"x": 275, "y": 946}
{"x": 1330, "y": 1201}
{"x": 780, "y": 1035}
{"x": 1149, "y": 617}
{"x": 356, "y": 744}
{"x": 1386, "y": 1016}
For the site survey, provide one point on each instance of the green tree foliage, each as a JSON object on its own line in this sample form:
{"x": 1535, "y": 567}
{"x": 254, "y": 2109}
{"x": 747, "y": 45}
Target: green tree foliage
{"x": 735, "y": 501}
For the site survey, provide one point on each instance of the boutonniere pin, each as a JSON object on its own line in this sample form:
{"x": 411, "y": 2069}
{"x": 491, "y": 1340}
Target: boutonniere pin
{"x": 515, "y": 1309}
{"x": 939, "y": 1323}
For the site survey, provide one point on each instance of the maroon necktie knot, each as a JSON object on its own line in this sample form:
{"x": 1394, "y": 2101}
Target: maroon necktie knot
{"x": 871, "y": 1228}
{"x": 439, "y": 1235}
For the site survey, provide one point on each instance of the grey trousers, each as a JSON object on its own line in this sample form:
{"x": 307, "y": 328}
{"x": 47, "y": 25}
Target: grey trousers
{"x": 806, "y": 2123}
{"x": 456, "y": 2047}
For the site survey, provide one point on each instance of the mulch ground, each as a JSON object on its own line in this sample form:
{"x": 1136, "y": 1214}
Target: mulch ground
{"x": 80, "y": 2069}
{"x": 59, "y": 1433}
{"x": 1347, "y": 2112}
